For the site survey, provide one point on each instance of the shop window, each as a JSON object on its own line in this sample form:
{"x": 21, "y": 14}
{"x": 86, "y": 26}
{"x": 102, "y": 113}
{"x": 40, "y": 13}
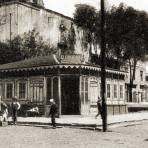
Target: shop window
{"x": 50, "y": 20}
{"x": 2, "y": 90}
{"x": 141, "y": 75}
{"x": 108, "y": 90}
{"x": 22, "y": 90}
{"x": 55, "y": 89}
{"x": 84, "y": 89}
{"x": 36, "y": 90}
{"x": 9, "y": 90}
{"x": 93, "y": 91}
{"x": 49, "y": 87}
{"x": 115, "y": 91}
{"x": 121, "y": 91}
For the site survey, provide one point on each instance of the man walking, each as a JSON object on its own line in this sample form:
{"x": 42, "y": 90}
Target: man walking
{"x": 99, "y": 107}
{"x": 15, "y": 107}
{"x": 53, "y": 111}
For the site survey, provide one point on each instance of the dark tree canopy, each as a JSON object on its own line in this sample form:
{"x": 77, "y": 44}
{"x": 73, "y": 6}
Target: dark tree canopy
{"x": 85, "y": 17}
{"x": 126, "y": 34}
{"x": 9, "y": 53}
{"x": 27, "y": 46}
{"x": 126, "y": 31}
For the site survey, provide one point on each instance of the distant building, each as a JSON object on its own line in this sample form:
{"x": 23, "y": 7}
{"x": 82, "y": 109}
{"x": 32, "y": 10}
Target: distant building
{"x": 139, "y": 85}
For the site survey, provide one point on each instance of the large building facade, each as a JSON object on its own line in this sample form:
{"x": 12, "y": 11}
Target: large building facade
{"x": 71, "y": 80}
{"x": 21, "y": 16}
{"x": 74, "y": 85}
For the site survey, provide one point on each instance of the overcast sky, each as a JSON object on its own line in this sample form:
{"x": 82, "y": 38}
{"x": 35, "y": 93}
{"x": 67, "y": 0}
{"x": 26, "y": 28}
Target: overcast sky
{"x": 67, "y": 7}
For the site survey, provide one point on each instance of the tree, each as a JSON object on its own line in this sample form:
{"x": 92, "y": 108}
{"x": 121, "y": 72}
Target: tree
{"x": 29, "y": 45}
{"x": 126, "y": 37}
{"x": 126, "y": 34}
{"x": 67, "y": 38}
{"x": 85, "y": 17}
{"x": 10, "y": 51}
{"x": 33, "y": 45}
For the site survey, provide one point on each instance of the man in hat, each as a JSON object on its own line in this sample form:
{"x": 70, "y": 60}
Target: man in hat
{"x": 15, "y": 107}
{"x": 99, "y": 107}
{"x": 53, "y": 111}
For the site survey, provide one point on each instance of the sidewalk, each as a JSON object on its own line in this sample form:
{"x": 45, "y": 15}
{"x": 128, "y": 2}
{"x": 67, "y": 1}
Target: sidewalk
{"x": 83, "y": 121}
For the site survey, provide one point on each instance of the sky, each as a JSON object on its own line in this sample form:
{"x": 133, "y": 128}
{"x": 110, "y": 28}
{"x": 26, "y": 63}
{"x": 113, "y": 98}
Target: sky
{"x": 67, "y": 7}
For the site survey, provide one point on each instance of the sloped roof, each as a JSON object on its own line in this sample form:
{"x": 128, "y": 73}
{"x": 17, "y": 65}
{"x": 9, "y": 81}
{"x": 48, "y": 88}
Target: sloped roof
{"x": 33, "y": 62}
{"x": 34, "y": 6}
{"x": 51, "y": 61}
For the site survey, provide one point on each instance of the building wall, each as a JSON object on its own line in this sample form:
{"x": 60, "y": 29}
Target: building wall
{"x": 39, "y": 89}
{"x": 33, "y": 91}
{"x": 18, "y": 18}
{"x": 115, "y": 99}
{"x": 26, "y": 17}
{"x": 139, "y": 89}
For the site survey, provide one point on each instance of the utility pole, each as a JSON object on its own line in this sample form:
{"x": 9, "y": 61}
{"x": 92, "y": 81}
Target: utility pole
{"x": 103, "y": 63}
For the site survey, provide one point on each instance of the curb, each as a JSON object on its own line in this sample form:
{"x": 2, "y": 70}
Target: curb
{"x": 58, "y": 124}
{"x": 83, "y": 126}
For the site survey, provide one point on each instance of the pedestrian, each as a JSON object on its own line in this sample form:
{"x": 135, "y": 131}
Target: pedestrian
{"x": 3, "y": 110}
{"x": 52, "y": 112}
{"x": 15, "y": 107}
{"x": 99, "y": 107}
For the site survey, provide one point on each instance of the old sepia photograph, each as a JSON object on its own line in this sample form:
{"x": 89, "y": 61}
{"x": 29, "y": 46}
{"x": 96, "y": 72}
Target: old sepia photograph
{"x": 73, "y": 73}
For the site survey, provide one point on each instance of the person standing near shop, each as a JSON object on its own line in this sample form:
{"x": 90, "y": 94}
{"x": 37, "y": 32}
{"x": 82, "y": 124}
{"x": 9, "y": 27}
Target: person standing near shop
{"x": 52, "y": 112}
{"x": 15, "y": 107}
{"x": 99, "y": 107}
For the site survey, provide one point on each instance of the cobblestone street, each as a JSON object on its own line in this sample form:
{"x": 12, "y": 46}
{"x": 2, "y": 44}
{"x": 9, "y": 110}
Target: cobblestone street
{"x": 133, "y": 136}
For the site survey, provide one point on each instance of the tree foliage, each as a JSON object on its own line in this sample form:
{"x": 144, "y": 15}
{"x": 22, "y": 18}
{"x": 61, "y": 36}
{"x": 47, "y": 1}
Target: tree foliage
{"x": 85, "y": 17}
{"x": 126, "y": 37}
{"x": 67, "y": 39}
{"x": 31, "y": 44}
{"x": 126, "y": 34}
{"x": 10, "y": 52}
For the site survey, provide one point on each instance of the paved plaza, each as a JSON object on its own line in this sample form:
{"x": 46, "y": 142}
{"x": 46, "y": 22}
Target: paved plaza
{"x": 133, "y": 136}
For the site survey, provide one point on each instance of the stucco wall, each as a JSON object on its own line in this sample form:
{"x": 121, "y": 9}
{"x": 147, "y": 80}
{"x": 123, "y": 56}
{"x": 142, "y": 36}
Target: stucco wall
{"x": 21, "y": 18}
{"x": 25, "y": 17}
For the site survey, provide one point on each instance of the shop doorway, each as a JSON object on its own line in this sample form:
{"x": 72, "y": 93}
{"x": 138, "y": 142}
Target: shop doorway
{"x": 70, "y": 95}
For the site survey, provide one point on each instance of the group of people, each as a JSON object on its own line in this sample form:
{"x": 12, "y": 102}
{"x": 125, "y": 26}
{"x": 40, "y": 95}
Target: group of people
{"x": 15, "y": 106}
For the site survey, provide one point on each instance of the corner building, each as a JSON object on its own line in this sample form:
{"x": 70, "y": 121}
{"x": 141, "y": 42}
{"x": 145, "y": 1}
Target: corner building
{"x": 71, "y": 80}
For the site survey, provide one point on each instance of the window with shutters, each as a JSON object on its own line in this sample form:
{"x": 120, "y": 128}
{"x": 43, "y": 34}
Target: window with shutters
{"x": 22, "y": 90}
{"x": 9, "y": 90}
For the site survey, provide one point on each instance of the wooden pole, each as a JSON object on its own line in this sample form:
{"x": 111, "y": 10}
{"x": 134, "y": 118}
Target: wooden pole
{"x": 103, "y": 73}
